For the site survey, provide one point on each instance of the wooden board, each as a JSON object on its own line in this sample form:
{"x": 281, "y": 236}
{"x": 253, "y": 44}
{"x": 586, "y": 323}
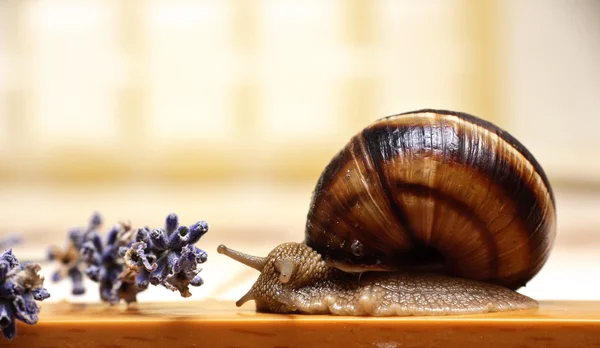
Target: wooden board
{"x": 220, "y": 324}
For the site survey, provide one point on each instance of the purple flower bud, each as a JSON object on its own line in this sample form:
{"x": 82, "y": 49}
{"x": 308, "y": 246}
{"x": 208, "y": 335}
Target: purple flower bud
{"x": 197, "y": 230}
{"x": 10, "y": 330}
{"x": 50, "y": 254}
{"x": 93, "y": 272}
{"x": 8, "y": 257}
{"x": 108, "y": 256}
{"x": 171, "y": 223}
{"x": 95, "y": 221}
{"x": 197, "y": 281}
{"x": 76, "y": 237}
{"x": 56, "y": 276}
{"x": 111, "y": 238}
{"x": 40, "y": 294}
{"x": 158, "y": 240}
{"x": 5, "y": 313}
{"x": 173, "y": 260}
{"x": 7, "y": 323}
{"x": 201, "y": 255}
{"x": 77, "y": 278}
{"x": 4, "y": 268}
{"x": 97, "y": 241}
{"x": 78, "y": 288}
{"x": 8, "y": 290}
{"x": 123, "y": 251}
{"x": 176, "y": 240}
{"x": 88, "y": 252}
{"x": 142, "y": 280}
{"x": 142, "y": 235}
{"x": 159, "y": 274}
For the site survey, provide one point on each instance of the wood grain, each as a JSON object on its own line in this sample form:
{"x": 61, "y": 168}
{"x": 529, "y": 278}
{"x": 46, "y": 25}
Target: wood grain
{"x": 221, "y": 324}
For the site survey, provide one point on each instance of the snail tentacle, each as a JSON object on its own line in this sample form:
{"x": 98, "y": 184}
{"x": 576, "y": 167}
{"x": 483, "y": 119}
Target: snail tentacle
{"x": 255, "y": 262}
{"x": 249, "y": 296}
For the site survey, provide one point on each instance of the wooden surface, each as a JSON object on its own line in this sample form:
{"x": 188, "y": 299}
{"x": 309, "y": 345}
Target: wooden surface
{"x": 221, "y": 324}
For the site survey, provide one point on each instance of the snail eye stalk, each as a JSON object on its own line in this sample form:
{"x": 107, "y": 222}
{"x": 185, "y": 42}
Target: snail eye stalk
{"x": 256, "y": 262}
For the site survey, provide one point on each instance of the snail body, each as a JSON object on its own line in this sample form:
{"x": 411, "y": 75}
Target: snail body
{"x": 424, "y": 213}
{"x": 295, "y": 279}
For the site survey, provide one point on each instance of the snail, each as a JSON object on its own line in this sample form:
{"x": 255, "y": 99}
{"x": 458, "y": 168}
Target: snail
{"x": 429, "y": 212}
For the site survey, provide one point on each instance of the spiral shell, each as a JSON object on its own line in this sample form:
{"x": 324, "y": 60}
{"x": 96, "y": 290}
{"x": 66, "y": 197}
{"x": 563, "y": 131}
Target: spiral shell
{"x": 435, "y": 190}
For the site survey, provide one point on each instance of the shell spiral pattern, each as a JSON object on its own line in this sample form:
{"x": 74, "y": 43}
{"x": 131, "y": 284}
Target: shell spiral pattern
{"x": 437, "y": 190}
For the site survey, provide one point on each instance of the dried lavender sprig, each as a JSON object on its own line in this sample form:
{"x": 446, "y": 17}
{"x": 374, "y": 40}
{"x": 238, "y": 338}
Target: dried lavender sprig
{"x": 105, "y": 264}
{"x": 167, "y": 256}
{"x": 20, "y": 287}
{"x": 69, "y": 258}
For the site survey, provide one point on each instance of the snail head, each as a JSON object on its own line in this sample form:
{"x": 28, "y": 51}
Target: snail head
{"x": 287, "y": 267}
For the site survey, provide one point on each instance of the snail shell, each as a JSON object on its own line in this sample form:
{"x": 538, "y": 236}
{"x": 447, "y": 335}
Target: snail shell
{"x": 434, "y": 190}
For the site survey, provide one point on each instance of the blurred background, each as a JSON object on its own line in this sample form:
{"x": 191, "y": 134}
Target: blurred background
{"x": 227, "y": 111}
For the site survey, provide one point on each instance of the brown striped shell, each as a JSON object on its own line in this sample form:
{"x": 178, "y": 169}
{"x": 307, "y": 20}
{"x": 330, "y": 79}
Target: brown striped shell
{"x": 435, "y": 190}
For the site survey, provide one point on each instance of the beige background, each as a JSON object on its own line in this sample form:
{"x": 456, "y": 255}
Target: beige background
{"x": 227, "y": 111}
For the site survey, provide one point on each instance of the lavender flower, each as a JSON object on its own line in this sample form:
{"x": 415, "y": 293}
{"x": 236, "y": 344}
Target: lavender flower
{"x": 20, "y": 287}
{"x": 70, "y": 262}
{"x": 105, "y": 265}
{"x": 167, "y": 256}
